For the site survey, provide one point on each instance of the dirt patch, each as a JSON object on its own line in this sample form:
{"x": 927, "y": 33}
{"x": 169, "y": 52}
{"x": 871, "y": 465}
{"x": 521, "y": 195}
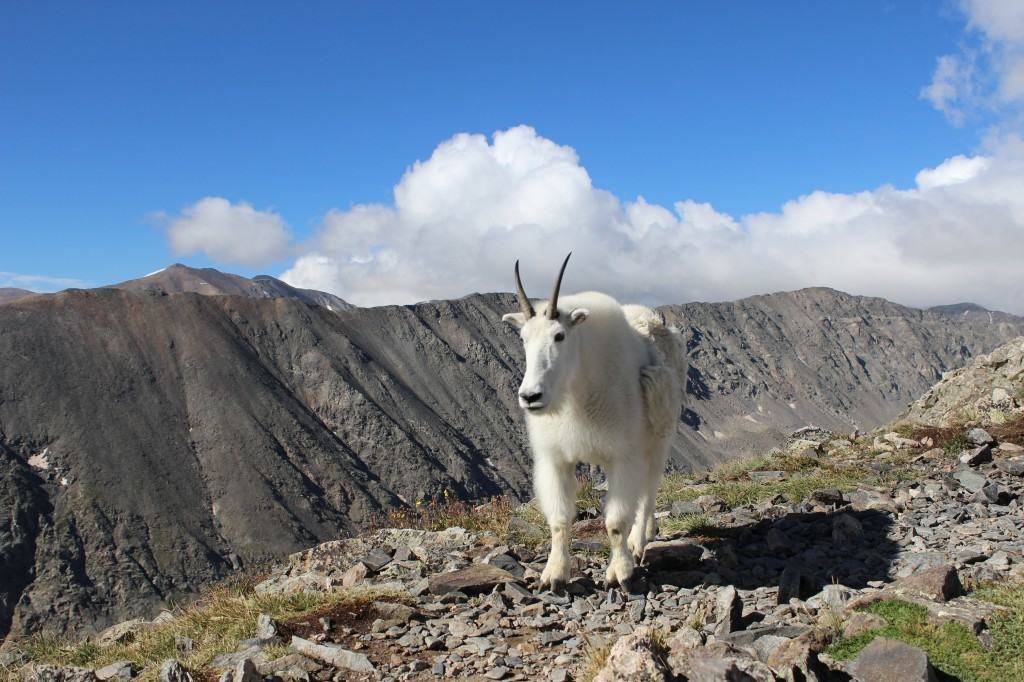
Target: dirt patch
{"x": 346, "y": 619}
{"x": 1010, "y": 432}
{"x": 348, "y": 624}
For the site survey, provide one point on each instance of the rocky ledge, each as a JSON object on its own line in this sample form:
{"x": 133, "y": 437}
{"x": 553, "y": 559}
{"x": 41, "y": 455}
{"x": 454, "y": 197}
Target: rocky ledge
{"x": 756, "y": 592}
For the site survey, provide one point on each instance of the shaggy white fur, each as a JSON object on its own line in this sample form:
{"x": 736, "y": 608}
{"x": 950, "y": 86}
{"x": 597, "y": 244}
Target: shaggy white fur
{"x": 604, "y": 385}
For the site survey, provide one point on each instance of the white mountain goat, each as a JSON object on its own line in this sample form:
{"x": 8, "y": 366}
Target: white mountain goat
{"x": 603, "y": 384}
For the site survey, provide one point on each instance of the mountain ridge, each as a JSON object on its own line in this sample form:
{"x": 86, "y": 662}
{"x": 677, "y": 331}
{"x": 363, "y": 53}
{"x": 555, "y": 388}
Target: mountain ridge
{"x": 185, "y": 435}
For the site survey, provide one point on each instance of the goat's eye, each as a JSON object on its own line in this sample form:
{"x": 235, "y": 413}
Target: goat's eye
{"x": 559, "y": 336}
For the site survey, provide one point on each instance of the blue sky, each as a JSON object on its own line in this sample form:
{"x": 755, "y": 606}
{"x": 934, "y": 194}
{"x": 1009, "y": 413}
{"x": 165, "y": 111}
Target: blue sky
{"x": 113, "y": 113}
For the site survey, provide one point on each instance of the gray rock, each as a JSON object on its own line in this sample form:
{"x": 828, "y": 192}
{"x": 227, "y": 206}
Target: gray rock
{"x": 120, "y": 670}
{"x": 976, "y": 456}
{"x": 289, "y": 662}
{"x": 356, "y": 573}
{"x": 970, "y": 480}
{"x": 886, "y": 660}
{"x": 833, "y": 596}
{"x": 747, "y": 638}
{"x": 333, "y": 655}
{"x": 707, "y": 667}
{"x": 122, "y": 632}
{"x": 497, "y": 673}
{"x": 859, "y": 622}
{"x": 633, "y": 658}
{"x": 685, "y": 508}
{"x": 779, "y": 542}
{"x": 789, "y": 583}
{"x": 846, "y": 530}
{"x": 518, "y": 594}
{"x": 728, "y": 611}
{"x": 245, "y": 671}
{"x": 977, "y": 436}
{"x": 266, "y": 628}
{"x": 766, "y": 475}
{"x": 473, "y": 579}
{"x": 394, "y": 612}
{"x": 766, "y": 644}
{"x": 56, "y": 673}
{"x": 506, "y": 562}
{"x": 668, "y": 554}
{"x": 173, "y": 671}
{"x": 938, "y": 583}
{"x": 829, "y": 497}
{"x": 232, "y": 659}
{"x": 1012, "y": 465}
{"x": 863, "y": 500}
{"x": 377, "y": 559}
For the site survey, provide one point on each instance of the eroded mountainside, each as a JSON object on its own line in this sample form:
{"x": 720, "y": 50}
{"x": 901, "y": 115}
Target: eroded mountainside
{"x": 154, "y": 442}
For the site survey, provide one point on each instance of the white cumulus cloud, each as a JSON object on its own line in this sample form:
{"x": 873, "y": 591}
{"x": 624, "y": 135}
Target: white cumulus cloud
{"x": 460, "y": 219}
{"x": 228, "y": 233}
{"x": 988, "y": 71}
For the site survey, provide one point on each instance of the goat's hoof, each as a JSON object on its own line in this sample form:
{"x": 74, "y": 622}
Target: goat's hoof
{"x": 555, "y": 585}
{"x": 620, "y": 571}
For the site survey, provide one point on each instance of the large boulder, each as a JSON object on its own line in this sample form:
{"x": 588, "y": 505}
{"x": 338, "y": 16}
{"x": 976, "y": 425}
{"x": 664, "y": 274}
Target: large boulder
{"x": 887, "y": 660}
{"x": 634, "y": 658}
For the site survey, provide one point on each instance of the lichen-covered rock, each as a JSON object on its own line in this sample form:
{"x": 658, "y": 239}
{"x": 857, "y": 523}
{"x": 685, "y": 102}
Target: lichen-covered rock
{"x": 470, "y": 580}
{"x": 971, "y": 391}
{"x": 886, "y": 660}
{"x": 634, "y": 658}
{"x": 333, "y": 655}
{"x": 938, "y": 583}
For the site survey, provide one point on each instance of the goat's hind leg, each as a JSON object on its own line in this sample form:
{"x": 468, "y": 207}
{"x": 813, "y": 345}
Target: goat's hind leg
{"x": 555, "y": 485}
{"x": 625, "y": 488}
{"x": 643, "y": 522}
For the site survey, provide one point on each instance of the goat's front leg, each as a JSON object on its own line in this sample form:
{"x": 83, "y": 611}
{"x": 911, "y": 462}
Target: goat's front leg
{"x": 625, "y": 487}
{"x": 555, "y": 485}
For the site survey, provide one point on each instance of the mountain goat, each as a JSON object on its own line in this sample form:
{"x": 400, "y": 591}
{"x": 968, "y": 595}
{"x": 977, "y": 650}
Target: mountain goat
{"x": 602, "y": 385}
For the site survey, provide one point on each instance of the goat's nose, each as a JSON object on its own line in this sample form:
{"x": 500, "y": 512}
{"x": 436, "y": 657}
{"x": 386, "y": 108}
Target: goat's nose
{"x": 530, "y": 398}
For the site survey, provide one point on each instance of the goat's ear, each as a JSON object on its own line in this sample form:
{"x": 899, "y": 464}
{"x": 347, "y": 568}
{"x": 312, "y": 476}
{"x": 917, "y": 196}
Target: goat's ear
{"x": 517, "y": 320}
{"x": 578, "y": 316}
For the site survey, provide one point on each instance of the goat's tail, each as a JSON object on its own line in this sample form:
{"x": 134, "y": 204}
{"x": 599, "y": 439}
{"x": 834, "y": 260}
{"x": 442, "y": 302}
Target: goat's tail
{"x": 666, "y": 341}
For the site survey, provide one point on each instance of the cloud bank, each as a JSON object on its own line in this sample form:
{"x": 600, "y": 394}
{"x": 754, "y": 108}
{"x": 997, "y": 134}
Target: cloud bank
{"x": 461, "y": 218}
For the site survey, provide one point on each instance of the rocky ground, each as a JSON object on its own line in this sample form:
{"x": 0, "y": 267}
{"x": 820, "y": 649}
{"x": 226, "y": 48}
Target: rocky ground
{"x": 892, "y": 555}
{"x": 760, "y": 591}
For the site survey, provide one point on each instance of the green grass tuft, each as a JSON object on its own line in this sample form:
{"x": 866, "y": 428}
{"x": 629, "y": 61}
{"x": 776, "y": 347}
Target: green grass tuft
{"x": 690, "y": 524}
{"x": 217, "y": 623}
{"x": 951, "y": 647}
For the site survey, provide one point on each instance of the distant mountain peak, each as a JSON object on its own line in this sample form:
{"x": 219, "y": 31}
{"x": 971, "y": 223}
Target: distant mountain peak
{"x": 178, "y": 278}
{"x": 10, "y": 294}
{"x": 959, "y": 308}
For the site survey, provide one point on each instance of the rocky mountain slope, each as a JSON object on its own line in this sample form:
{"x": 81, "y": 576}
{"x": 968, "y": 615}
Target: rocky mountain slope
{"x": 155, "y": 442}
{"x": 766, "y": 365}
